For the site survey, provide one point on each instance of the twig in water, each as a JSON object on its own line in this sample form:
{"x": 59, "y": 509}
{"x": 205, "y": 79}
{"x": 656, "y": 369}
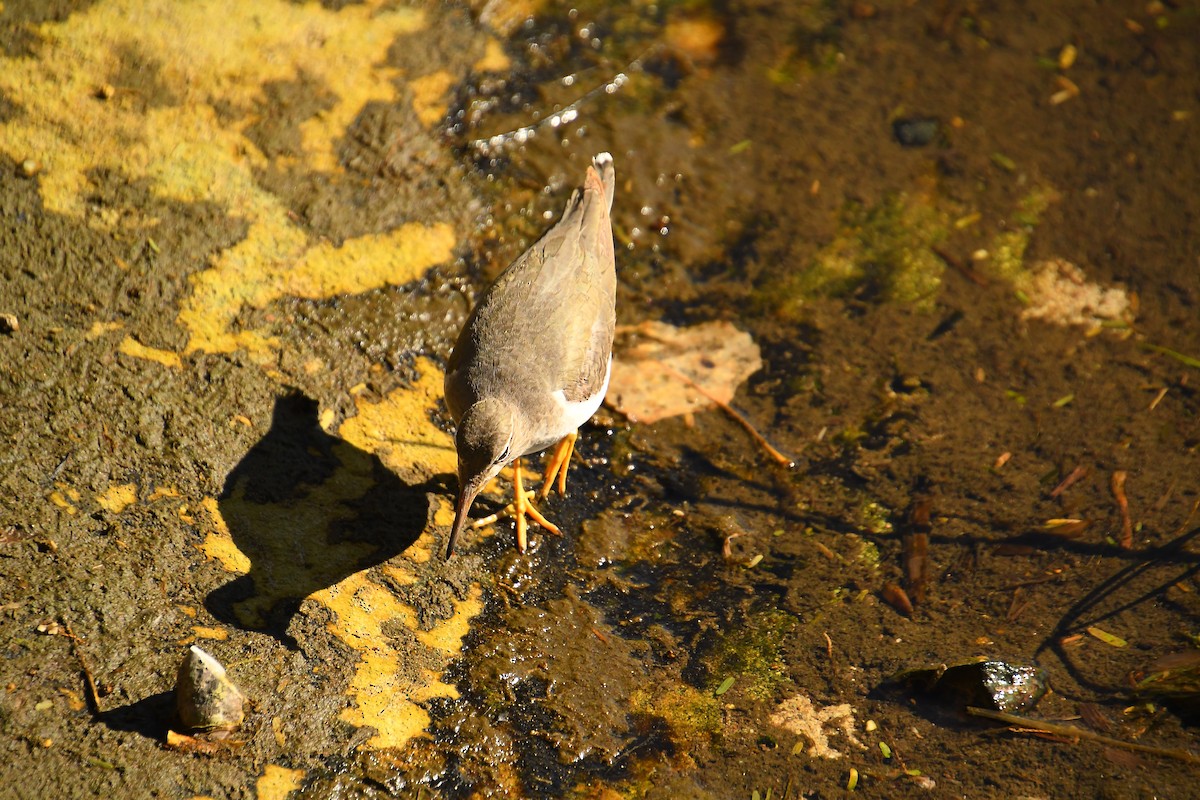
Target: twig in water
{"x": 955, "y": 262}
{"x": 786, "y": 461}
{"x": 1076, "y": 475}
{"x": 1070, "y": 731}
{"x": 92, "y": 695}
{"x": 1118, "y": 490}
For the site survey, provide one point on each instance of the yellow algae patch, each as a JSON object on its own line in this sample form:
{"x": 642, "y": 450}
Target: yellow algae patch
{"x": 444, "y": 513}
{"x": 430, "y": 96}
{"x": 494, "y": 58}
{"x": 448, "y": 637}
{"x": 204, "y": 632}
{"x": 132, "y": 347}
{"x": 398, "y": 575}
{"x": 271, "y": 264}
{"x": 210, "y": 53}
{"x": 59, "y": 498}
{"x": 161, "y": 492}
{"x": 382, "y": 689}
{"x": 219, "y": 544}
{"x": 99, "y": 328}
{"x": 422, "y": 549}
{"x": 369, "y": 262}
{"x": 432, "y": 687}
{"x": 380, "y": 700}
{"x": 399, "y": 430}
{"x": 249, "y": 274}
{"x": 277, "y": 782}
{"x": 118, "y": 498}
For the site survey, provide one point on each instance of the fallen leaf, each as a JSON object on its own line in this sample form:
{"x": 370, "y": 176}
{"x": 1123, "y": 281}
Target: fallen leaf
{"x": 183, "y": 743}
{"x": 656, "y": 364}
{"x": 1108, "y": 638}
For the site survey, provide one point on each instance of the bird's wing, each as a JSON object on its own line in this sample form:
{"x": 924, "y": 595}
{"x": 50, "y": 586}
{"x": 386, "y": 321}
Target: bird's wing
{"x": 561, "y": 294}
{"x": 578, "y": 281}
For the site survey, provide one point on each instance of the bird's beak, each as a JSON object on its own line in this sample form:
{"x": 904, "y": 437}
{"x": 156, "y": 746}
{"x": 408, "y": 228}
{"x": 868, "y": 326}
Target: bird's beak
{"x": 467, "y": 490}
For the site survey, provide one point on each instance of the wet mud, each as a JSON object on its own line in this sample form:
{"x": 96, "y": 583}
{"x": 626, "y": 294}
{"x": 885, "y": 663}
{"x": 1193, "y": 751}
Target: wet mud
{"x": 961, "y": 235}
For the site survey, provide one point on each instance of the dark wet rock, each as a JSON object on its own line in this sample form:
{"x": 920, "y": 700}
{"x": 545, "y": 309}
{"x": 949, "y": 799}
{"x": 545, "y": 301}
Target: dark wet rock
{"x": 567, "y": 668}
{"x": 623, "y": 536}
{"x": 915, "y": 131}
{"x": 997, "y": 685}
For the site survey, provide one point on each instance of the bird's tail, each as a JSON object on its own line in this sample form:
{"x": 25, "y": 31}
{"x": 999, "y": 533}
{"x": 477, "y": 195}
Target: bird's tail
{"x": 603, "y": 172}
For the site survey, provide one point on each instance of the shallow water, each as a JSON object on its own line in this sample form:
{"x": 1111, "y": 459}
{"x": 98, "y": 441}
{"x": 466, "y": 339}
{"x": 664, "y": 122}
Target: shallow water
{"x": 290, "y": 463}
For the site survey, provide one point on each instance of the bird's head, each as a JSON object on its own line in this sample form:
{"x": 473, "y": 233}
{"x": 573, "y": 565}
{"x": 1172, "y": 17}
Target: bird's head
{"x": 486, "y": 442}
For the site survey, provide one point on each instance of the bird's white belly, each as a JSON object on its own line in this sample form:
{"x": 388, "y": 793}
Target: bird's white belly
{"x": 576, "y": 413}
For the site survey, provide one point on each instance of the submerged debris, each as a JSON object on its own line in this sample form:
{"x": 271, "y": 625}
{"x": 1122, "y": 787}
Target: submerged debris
{"x": 1070, "y": 733}
{"x": 1059, "y": 293}
{"x": 1174, "y": 680}
{"x": 915, "y": 544}
{"x": 205, "y": 698}
{"x": 915, "y": 131}
{"x": 895, "y": 596}
{"x": 1118, "y": 490}
{"x": 799, "y": 715}
{"x": 697, "y": 37}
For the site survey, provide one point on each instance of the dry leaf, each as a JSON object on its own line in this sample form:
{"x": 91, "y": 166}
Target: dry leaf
{"x": 655, "y": 361}
{"x": 183, "y": 743}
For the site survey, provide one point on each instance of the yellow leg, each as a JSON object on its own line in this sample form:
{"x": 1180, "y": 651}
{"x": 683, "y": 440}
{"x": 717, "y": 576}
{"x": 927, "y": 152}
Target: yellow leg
{"x": 557, "y": 464}
{"x": 522, "y": 507}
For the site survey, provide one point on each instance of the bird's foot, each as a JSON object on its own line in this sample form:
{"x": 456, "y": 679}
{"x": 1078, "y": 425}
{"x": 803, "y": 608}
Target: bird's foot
{"x": 504, "y": 513}
{"x": 520, "y": 508}
{"x": 557, "y": 465}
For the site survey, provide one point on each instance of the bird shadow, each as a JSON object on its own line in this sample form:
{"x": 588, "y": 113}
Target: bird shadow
{"x": 306, "y": 509}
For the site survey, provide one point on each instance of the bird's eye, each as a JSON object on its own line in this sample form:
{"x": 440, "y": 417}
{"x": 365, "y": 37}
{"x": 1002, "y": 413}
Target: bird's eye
{"x": 503, "y": 455}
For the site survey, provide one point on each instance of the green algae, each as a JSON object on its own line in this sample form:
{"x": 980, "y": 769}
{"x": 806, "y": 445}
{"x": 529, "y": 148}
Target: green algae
{"x": 1007, "y": 253}
{"x": 884, "y": 252}
{"x": 753, "y": 655}
{"x": 693, "y": 716}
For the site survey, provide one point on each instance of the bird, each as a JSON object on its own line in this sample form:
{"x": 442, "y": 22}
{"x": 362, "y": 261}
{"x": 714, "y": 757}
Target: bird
{"x": 533, "y": 359}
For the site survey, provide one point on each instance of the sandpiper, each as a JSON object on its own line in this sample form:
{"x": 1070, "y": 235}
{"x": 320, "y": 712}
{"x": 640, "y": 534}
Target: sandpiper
{"x": 533, "y": 360}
